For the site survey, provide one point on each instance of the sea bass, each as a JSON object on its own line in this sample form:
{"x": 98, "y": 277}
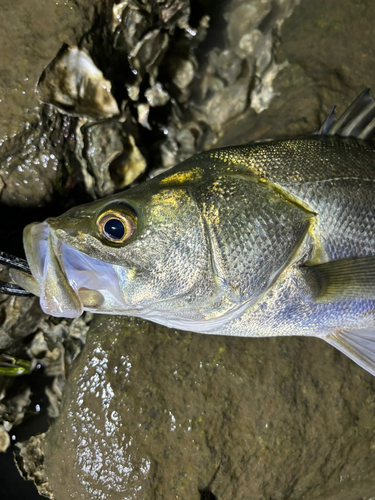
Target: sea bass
{"x": 269, "y": 238}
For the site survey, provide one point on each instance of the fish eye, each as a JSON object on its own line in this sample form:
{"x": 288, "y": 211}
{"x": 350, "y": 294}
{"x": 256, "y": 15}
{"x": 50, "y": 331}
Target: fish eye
{"x": 116, "y": 226}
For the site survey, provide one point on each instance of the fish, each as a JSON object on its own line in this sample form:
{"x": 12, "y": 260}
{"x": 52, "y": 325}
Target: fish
{"x": 272, "y": 238}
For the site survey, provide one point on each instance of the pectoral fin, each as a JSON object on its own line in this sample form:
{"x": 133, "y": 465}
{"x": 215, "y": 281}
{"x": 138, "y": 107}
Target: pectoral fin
{"x": 344, "y": 279}
{"x": 358, "y": 345}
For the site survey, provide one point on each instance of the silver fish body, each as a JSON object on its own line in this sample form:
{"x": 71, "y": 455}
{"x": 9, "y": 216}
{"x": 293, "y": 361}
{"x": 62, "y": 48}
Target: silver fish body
{"x": 273, "y": 238}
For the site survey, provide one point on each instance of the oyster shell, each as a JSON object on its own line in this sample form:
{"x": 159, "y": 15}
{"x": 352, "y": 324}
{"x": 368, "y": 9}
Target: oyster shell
{"x": 74, "y": 85}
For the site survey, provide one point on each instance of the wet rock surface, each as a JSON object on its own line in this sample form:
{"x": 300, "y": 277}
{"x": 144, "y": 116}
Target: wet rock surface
{"x": 325, "y": 63}
{"x": 36, "y": 165}
{"x": 31, "y": 34}
{"x": 153, "y": 413}
{"x": 148, "y": 412}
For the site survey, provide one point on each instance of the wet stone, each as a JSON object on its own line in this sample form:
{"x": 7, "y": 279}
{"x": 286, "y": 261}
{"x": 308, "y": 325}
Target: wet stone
{"x": 33, "y": 165}
{"x": 31, "y": 34}
{"x": 103, "y": 142}
{"x": 156, "y": 95}
{"x": 153, "y": 413}
{"x": 19, "y": 317}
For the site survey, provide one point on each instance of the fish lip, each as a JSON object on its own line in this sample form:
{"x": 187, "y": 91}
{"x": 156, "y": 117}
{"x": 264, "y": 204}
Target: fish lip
{"x": 88, "y": 281}
{"x": 32, "y": 238}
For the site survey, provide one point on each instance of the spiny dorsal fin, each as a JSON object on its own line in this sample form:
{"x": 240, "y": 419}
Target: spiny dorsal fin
{"x": 358, "y": 120}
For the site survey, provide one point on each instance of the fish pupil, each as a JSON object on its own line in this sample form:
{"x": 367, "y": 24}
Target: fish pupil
{"x": 115, "y": 229}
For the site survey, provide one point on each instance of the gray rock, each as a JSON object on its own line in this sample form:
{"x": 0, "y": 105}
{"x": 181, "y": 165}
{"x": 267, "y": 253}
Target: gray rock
{"x": 20, "y": 316}
{"x": 152, "y": 413}
{"x": 34, "y": 165}
{"x": 31, "y": 34}
{"x": 103, "y": 143}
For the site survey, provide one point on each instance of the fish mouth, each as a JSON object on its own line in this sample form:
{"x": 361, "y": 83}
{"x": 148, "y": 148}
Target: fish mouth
{"x": 69, "y": 281}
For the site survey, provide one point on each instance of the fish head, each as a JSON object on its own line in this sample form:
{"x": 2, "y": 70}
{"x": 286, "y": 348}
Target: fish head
{"x": 121, "y": 255}
{"x": 190, "y": 249}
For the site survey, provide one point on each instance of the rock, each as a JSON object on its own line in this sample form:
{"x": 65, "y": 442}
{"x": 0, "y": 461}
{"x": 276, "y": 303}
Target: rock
{"x": 156, "y": 95}
{"x": 228, "y": 103}
{"x": 129, "y": 165}
{"x": 149, "y": 52}
{"x": 153, "y": 413}
{"x": 337, "y": 63}
{"x": 130, "y": 23}
{"x": 226, "y": 64}
{"x": 243, "y": 17}
{"x": 38, "y": 167}
{"x": 30, "y": 462}
{"x": 31, "y": 34}
{"x": 291, "y": 111}
{"x": 34, "y": 165}
{"x": 310, "y": 77}
{"x": 103, "y": 143}
{"x": 14, "y": 408}
{"x": 4, "y": 439}
{"x": 183, "y": 73}
{"x": 20, "y": 316}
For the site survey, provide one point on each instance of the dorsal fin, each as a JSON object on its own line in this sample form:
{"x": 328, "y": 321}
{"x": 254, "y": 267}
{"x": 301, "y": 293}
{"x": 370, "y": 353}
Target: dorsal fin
{"x": 358, "y": 120}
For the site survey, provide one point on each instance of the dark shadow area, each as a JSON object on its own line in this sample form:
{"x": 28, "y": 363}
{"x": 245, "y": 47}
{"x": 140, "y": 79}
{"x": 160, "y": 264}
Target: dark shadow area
{"x": 12, "y": 485}
{"x": 206, "y": 494}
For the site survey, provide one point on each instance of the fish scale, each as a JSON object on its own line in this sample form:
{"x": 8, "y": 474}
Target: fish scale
{"x": 343, "y": 174}
{"x": 343, "y": 209}
{"x": 233, "y": 237}
{"x": 307, "y": 159}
